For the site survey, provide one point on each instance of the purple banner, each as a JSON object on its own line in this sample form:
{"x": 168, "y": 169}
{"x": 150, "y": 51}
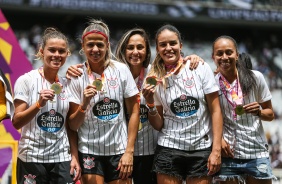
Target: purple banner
{"x": 13, "y": 63}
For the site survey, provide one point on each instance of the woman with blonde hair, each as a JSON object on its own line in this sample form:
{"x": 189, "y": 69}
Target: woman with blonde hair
{"x": 97, "y": 111}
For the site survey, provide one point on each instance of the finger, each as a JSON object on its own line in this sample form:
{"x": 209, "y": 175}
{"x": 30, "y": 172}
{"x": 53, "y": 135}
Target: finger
{"x": 212, "y": 169}
{"x": 121, "y": 172}
{"x": 230, "y": 153}
{"x": 128, "y": 171}
{"x": 224, "y": 153}
{"x": 68, "y": 76}
{"x": 77, "y": 175}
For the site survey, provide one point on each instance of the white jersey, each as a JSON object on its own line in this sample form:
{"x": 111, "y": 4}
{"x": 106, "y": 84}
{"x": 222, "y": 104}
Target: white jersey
{"x": 146, "y": 140}
{"x": 187, "y": 121}
{"x": 44, "y": 139}
{"x": 104, "y": 131}
{"x": 245, "y": 134}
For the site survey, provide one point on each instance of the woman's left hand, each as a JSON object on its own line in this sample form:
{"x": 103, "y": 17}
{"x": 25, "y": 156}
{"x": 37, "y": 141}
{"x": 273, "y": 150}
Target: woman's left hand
{"x": 194, "y": 61}
{"x": 125, "y": 165}
{"x": 214, "y": 162}
{"x": 253, "y": 108}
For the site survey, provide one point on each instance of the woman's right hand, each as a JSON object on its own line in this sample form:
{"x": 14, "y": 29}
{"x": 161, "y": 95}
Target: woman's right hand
{"x": 89, "y": 92}
{"x": 45, "y": 95}
{"x": 148, "y": 93}
{"x": 226, "y": 151}
{"x": 73, "y": 71}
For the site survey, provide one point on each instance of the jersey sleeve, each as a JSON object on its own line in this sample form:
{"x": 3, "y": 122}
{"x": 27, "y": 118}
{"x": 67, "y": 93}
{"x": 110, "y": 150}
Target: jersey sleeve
{"x": 263, "y": 93}
{"x": 208, "y": 80}
{"x": 130, "y": 88}
{"x": 21, "y": 88}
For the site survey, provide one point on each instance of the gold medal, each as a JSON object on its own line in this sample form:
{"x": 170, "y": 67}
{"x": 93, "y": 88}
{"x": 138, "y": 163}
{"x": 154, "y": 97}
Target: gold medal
{"x": 239, "y": 110}
{"x": 140, "y": 126}
{"x": 98, "y": 84}
{"x": 57, "y": 88}
{"x": 151, "y": 80}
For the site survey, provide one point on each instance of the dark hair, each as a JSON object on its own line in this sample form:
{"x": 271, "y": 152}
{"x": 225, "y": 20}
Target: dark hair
{"x": 246, "y": 76}
{"x": 170, "y": 28}
{"x": 50, "y": 33}
{"x": 123, "y": 42}
{"x": 245, "y": 59}
{"x": 158, "y": 67}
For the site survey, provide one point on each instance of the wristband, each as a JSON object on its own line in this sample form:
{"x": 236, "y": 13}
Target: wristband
{"x": 151, "y": 109}
{"x": 80, "y": 109}
{"x": 155, "y": 113}
{"x": 38, "y": 105}
{"x": 150, "y": 105}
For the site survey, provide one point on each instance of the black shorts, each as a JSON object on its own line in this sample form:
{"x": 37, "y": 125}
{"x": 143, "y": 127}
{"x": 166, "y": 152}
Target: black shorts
{"x": 142, "y": 170}
{"x": 43, "y": 173}
{"x": 181, "y": 164}
{"x": 105, "y": 166}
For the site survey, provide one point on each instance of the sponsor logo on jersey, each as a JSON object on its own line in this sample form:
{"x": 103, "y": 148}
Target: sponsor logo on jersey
{"x": 29, "y": 179}
{"x": 51, "y": 121}
{"x": 189, "y": 82}
{"x": 143, "y": 113}
{"x": 184, "y": 106}
{"x": 106, "y": 109}
{"x": 113, "y": 82}
{"x": 88, "y": 163}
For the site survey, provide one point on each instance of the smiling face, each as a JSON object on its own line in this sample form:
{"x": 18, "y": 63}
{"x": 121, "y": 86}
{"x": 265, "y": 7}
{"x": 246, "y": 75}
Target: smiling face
{"x": 135, "y": 52}
{"x": 169, "y": 47}
{"x": 54, "y": 53}
{"x": 225, "y": 55}
{"x": 95, "y": 47}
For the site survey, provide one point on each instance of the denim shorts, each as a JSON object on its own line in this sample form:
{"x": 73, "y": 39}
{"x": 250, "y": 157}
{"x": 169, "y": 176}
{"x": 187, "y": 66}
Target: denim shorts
{"x": 259, "y": 168}
{"x": 181, "y": 164}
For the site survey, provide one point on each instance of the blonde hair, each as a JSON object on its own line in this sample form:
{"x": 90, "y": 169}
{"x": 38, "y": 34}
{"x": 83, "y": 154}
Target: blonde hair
{"x": 99, "y": 25}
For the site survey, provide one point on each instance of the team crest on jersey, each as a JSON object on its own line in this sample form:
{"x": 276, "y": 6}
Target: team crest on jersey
{"x": 88, "y": 162}
{"x": 189, "y": 82}
{"x": 62, "y": 95}
{"x": 51, "y": 121}
{"x": 184, "y": 106}
{"x": 106, "y": 109}
{"x": 29, "y": 179}
{"x": 113, "y": 82}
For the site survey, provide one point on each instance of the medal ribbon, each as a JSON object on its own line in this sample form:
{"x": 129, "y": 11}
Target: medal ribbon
{"x": 172, "y": 71}
{"x": 91, "y": 77}
{"x": 41, "y": 72}
{"x": 139, "y": 84}
{"x": 232, "y": 97}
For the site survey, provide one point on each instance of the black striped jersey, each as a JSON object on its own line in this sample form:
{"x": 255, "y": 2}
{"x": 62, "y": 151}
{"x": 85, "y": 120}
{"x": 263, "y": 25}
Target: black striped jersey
{"x": 104, "y": 130}
{"x": 44, "y": 139}
{"x": 245, "y": 133}
{"x": 187, "y": 121}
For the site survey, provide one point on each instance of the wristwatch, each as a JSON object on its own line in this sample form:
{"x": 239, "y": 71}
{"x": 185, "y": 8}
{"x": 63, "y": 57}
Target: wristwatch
{"x": 151, "y": 109}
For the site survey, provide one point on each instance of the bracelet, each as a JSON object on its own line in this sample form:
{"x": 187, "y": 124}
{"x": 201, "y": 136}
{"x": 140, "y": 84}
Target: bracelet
{"x": 156, "y": 112}
{"x": 38, "y": 105}
{"x": 151, "y": 105}
{"x": 80, "y": 109}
